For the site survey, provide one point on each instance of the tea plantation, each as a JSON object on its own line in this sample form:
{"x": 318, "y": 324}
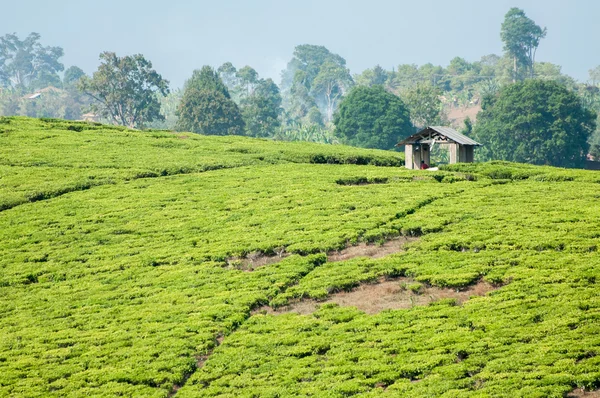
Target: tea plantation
{"x": 121, "y": 269}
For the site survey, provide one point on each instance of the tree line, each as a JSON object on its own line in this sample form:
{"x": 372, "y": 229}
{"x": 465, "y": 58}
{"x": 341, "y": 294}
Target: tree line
{"x": 318, "y": 99}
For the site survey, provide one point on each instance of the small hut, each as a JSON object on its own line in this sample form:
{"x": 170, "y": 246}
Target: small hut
{"x": 418, "y": 146}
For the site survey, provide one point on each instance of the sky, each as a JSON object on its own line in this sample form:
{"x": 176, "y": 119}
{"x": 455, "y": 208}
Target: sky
{"x": 179, "y": 36}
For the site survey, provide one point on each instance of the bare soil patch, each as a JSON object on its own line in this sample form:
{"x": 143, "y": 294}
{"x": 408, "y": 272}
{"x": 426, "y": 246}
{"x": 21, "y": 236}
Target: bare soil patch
{"x": 384, "y": 295}
{"x": 580, "y": 393}
{"x": 370, "y": 250}
{"x": 255, "y": 260}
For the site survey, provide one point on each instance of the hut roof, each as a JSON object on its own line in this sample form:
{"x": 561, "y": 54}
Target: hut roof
{"x": 439, "y": 134}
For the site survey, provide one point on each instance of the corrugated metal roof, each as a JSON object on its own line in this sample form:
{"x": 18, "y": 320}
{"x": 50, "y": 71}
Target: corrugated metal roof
{"x": 447, "y": 132}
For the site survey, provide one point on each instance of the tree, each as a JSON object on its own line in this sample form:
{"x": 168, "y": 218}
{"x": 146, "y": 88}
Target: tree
{"x": 261, "y": 109}
{"x": 372, "y": 77}
{"x": 330, "y": 84}
{"x": 595, "y": 75}
{"x": 228, "y": 75}
{"x": 206, "y": 106}
{"x": 550, "y": 71}
{"x": 521, "y": 37}
{"x": 248, "y": 79}
{"x": 308, "y": 63}
{"x": 72, "y": 76}
{"x": 206, "y": 79}
{"x": 371, "y": 117}
{"x": 539, "y": 122}
{"x": 26, "y": 64}
{"x": 124, "y": 90}
{"x": 424, "y": 104}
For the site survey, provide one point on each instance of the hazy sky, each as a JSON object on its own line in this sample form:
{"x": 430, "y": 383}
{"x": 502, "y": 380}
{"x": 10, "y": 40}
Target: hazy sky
{"x": 180, "y": 36}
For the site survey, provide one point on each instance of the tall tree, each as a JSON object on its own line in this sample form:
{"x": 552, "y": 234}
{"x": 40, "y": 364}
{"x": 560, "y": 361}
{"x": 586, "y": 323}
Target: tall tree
{"x": 228, "y": 74}
{"x": 371, "y": 117}
{"x": 26, "y": 64}
{"x": 298, "y": 78}
{"x": 248, "y": 79}
{"x": 124, "y": 90}
{"x": 261, "y": 109}
{"x": 521, "y": 37}
{"x": 330, "y": 85}
{"x": 595, "y": 75}
{"x": 536, "y": 121}
{"x": 206, "y": 106}
{"x": 424, "y": 104}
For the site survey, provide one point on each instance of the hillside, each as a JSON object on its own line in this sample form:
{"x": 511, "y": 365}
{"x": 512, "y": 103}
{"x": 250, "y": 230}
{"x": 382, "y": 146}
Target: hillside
{"x": 157, "y": 264}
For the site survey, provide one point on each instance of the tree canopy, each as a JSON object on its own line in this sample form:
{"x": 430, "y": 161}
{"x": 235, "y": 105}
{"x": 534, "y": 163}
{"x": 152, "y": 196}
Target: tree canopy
{"x": 261, "y": 109}
{"x": 26, "y": 64}
{"x": 125, "y": 90}
{"x": 424, "y": 104}
{"x": 538, "y": 122}
{"x": 371, "y": 117}
{"x": 314, "y": 77}
{"x": 206, "y": 106}
{"x": 521, "y": 37}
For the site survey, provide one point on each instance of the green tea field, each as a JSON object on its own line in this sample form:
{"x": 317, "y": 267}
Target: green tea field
{"x": 158, "y": 264}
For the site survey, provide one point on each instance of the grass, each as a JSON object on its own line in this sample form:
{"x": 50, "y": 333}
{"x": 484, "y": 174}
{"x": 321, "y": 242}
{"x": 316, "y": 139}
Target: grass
{"x": 114, "y": 276}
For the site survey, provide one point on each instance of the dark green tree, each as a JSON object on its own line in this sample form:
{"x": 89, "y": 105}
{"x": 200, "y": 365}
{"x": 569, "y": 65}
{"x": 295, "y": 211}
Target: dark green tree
{"x": 538, "y": 122}
{"x": 26, "y": 64}
{"x": 206, "y": 106}
{"x": 521, "y": 37}
{"x": 261, "y": 109}
{"x": 125, "y": 90}
{"x": 371, "y": 117}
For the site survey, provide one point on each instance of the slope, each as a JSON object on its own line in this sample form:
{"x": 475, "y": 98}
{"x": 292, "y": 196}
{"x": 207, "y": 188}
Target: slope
{"x": 128, "y": 285}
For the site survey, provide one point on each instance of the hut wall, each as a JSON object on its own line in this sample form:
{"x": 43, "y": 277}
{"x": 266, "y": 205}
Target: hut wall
{"x": 408, "y": 157}
{"x": 416, "y": 156}
{"x": 426, "y": 154}
{"x": 462, "y": 154}
{"x": 453, "y": 152}
{"x": 469, "y": 157}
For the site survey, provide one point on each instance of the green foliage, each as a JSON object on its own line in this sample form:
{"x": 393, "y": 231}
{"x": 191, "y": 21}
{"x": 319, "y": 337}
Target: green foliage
{"x": 537, "y": 122}
{"x": 372, "y": 77}
{"x": 424, "y": 104}
{"x": 307, "y": 133}
{"x": 521, "y": 37}
{"x": 47, "y": 158}
{"x": 27, "y": 65}
{"x": 371, "y": 117}
{"x": 72, "y": 76}
{"x": 261, "y": 109}
{"x": 125, "y": 90}
{"x": 206, "y": 79}
{"x": 314, "y": 77}
{"x": 119, "y": 273}
{"x": 206, "y": 106}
